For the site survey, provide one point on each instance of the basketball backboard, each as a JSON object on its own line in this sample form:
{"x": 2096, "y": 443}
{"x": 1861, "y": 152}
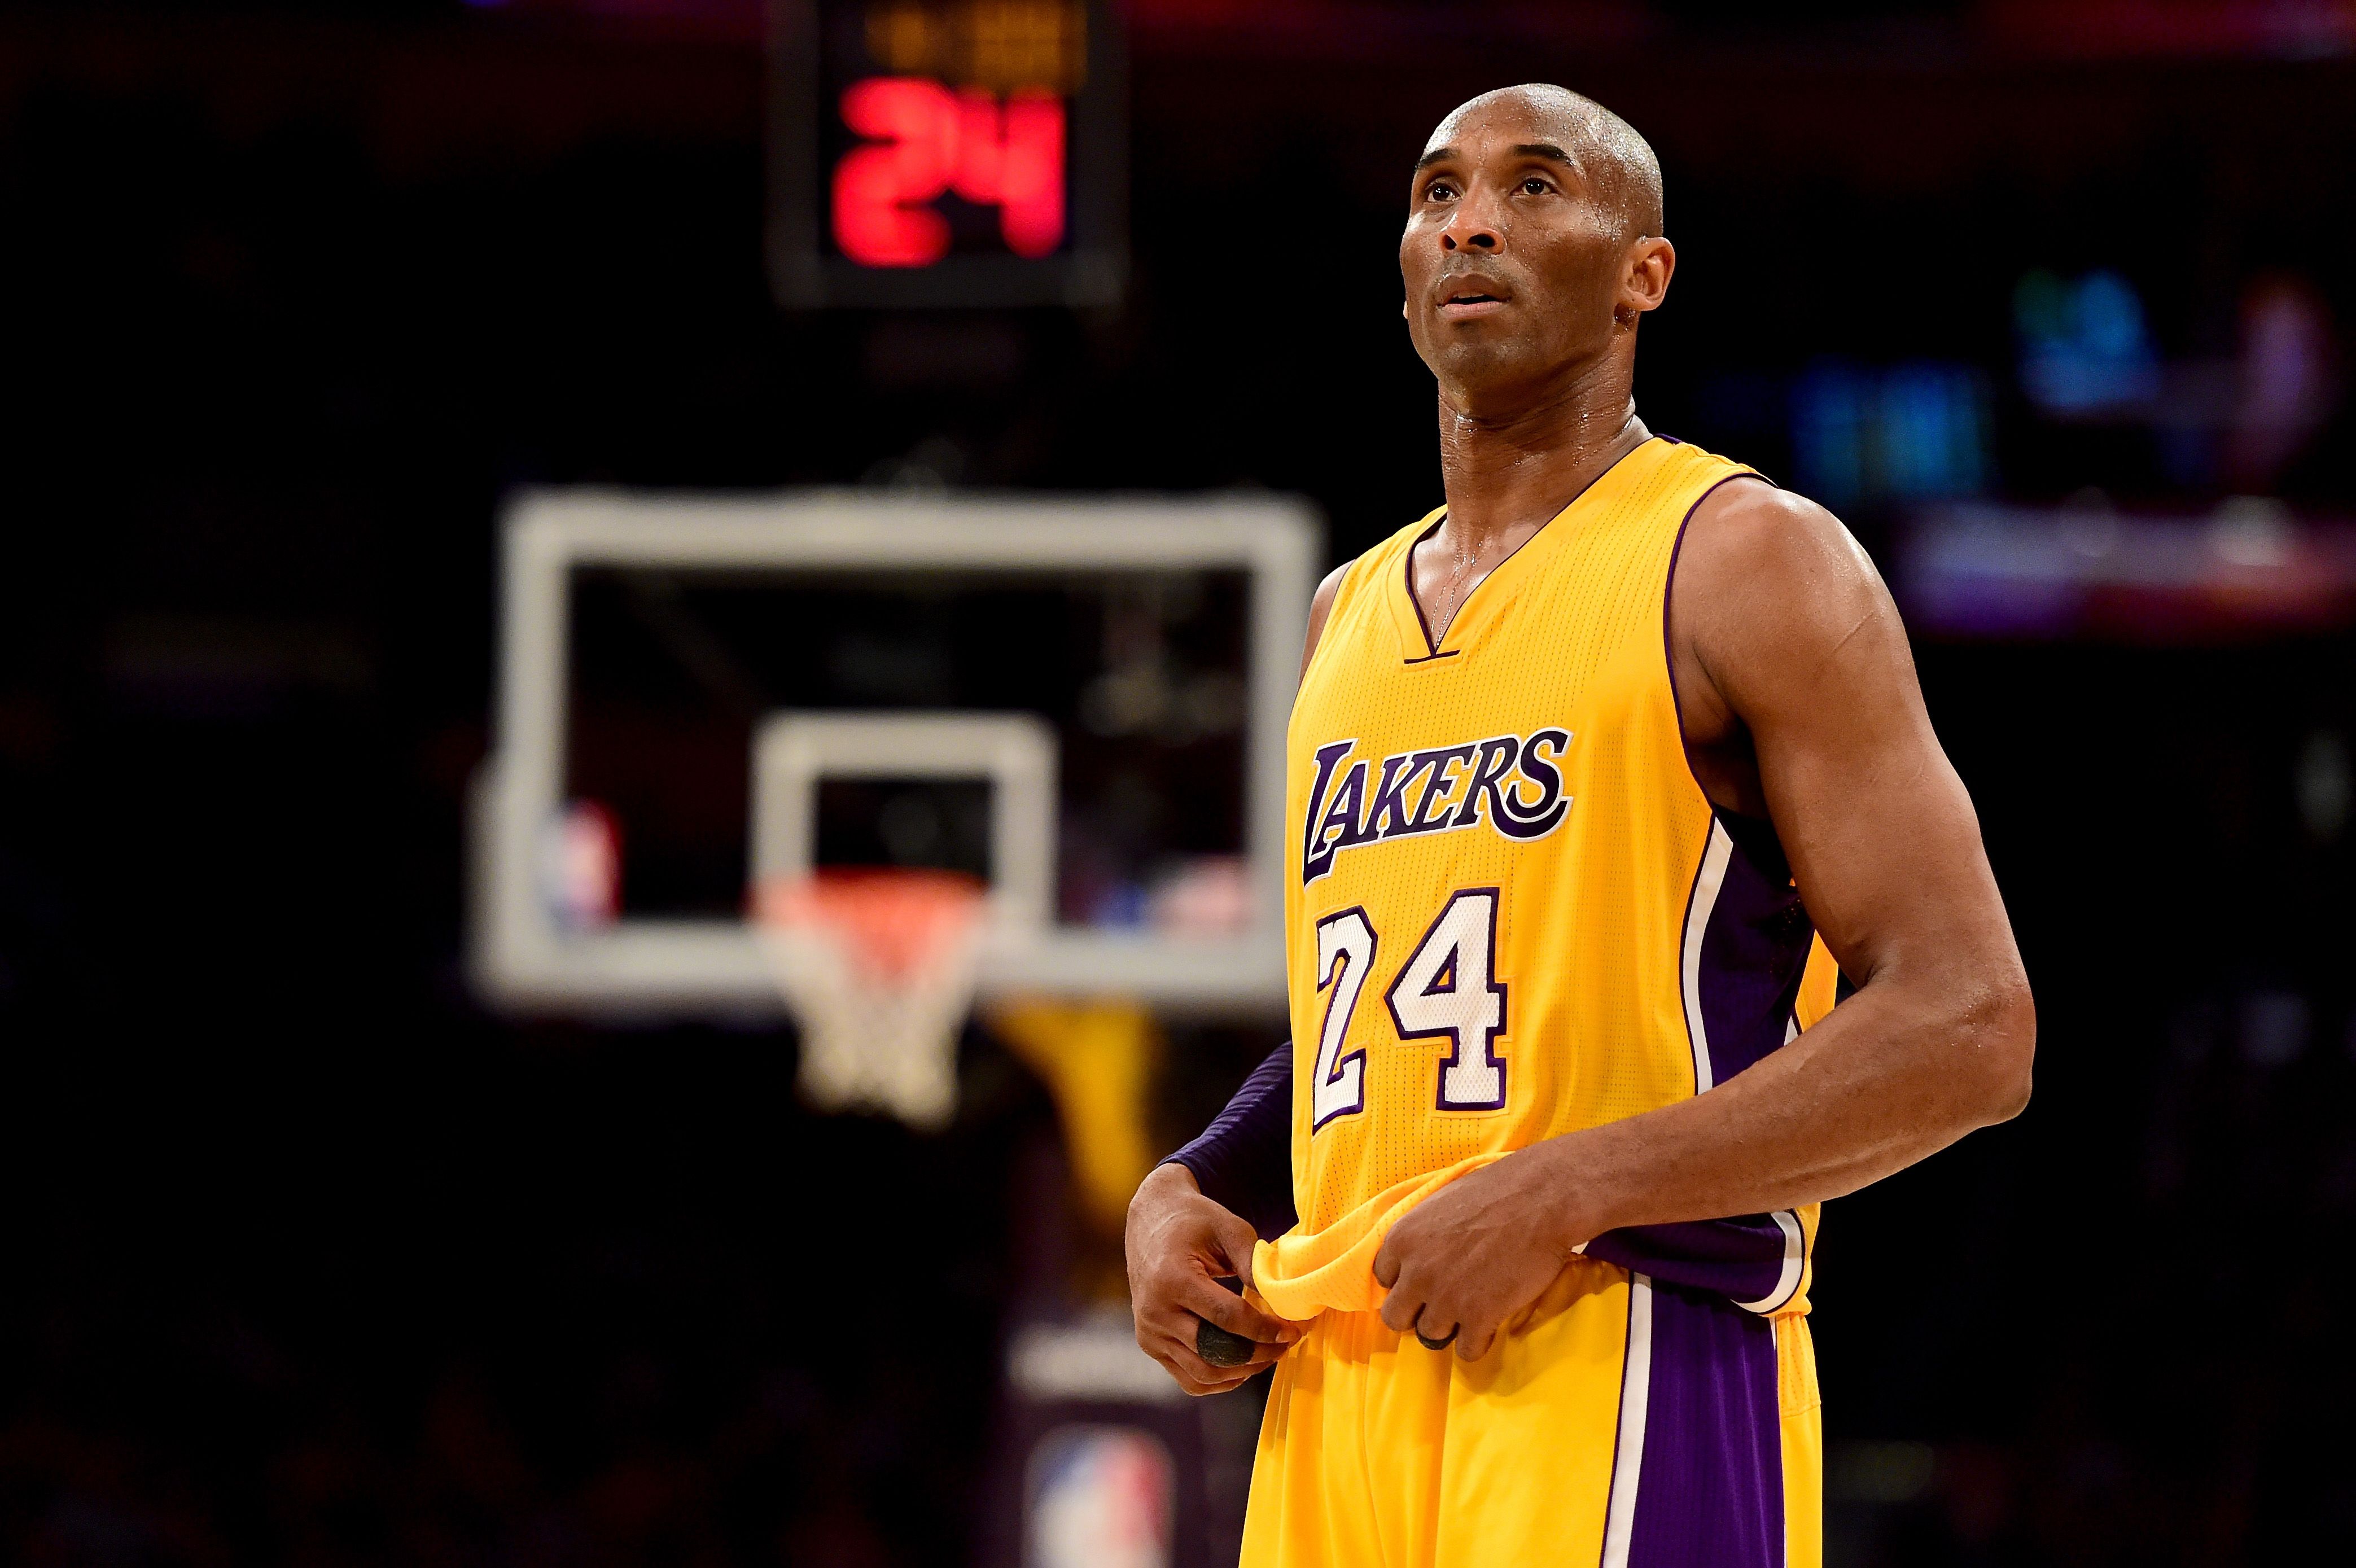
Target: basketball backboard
{"x": 1082, "y": 701}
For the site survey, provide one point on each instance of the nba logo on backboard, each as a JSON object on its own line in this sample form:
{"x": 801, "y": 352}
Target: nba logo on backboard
{"x": 1099, "y": 1498}
{"x": 580, "y": 867}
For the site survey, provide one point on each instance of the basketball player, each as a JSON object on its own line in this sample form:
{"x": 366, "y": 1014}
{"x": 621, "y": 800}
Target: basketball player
{"x": 1595, "y": 774}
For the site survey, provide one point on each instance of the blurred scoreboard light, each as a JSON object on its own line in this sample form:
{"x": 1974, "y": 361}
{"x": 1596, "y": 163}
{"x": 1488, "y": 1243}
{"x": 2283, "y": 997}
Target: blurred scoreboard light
{"x": 928, "y": 153}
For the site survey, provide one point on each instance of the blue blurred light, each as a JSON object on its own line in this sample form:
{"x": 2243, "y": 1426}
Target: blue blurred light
{"x": 1911, "y": 432}
{"x": 2085, "y": 350}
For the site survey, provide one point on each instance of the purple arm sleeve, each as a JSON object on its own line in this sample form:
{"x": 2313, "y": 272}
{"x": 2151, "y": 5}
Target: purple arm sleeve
{"x": 1243, "y": 1161}
{"x": 1753, "y": 1259}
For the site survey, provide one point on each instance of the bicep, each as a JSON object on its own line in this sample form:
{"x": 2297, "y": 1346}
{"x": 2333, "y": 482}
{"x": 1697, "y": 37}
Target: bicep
{"x": 1810, "y": 655}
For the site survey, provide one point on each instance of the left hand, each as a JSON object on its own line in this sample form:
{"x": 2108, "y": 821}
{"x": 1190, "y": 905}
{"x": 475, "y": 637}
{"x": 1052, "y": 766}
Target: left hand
{"x": 1477, "y": 1251}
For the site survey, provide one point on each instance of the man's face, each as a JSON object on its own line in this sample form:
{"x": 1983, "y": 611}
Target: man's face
{"x": 1513, "y": 253}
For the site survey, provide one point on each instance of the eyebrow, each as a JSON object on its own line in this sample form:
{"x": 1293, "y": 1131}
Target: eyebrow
{"x": 1522, "y": 149}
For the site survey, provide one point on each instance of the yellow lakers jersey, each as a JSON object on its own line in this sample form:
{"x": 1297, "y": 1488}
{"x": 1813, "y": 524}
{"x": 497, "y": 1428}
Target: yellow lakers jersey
{"x": 1512, "y": 913}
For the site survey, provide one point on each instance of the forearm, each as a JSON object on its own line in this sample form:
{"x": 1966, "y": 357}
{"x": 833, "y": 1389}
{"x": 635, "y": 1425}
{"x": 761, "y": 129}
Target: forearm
{"x": 1243, "y": 1160}
{"x": 1888, "y": 1078}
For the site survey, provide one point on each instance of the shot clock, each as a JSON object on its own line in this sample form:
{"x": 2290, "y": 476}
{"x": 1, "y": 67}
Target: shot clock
{"x": 937, "y": 153}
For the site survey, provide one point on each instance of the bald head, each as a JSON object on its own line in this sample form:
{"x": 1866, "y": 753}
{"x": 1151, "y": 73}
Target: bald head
{"x": 1618, "y": 163}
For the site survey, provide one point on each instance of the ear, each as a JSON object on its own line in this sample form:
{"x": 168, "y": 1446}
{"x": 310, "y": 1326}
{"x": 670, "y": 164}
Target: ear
{"x": 1644, "y": 275}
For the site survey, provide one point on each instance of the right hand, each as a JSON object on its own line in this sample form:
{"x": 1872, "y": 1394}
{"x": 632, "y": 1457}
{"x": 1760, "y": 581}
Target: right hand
{"x": 1180, "y": 1245}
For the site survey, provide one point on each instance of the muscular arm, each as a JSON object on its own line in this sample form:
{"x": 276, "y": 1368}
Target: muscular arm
{"x": 1799, "y": 698}
{"x": 1790, "y": 655}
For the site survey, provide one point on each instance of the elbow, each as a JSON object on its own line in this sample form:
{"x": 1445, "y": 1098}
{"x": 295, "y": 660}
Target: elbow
{"x": 2003, "y": 1034}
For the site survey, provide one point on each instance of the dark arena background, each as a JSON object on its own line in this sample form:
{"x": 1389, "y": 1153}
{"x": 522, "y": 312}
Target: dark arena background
{"x": 313, "y": 1255}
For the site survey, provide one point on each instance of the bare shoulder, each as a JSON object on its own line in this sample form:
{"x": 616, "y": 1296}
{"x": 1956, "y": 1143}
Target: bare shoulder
{"x": 1749, "y": 535}
{"x": 1765, "y": 576}
{"x": 1775, "y": 610}
{"x": 1321, "y": 605}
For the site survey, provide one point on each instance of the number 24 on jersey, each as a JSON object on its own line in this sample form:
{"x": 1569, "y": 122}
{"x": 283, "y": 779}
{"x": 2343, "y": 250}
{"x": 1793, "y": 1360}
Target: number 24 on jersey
{"x": 1447, "y": 989}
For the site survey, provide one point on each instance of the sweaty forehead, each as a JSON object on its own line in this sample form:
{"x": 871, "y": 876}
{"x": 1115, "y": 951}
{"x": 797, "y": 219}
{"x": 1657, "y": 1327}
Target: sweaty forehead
{"x": 1516, "y": 115}
{"x": 1614, "y": 162}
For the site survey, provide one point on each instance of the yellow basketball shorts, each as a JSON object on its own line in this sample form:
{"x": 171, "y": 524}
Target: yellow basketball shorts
{"x": 1622, "y": 1422}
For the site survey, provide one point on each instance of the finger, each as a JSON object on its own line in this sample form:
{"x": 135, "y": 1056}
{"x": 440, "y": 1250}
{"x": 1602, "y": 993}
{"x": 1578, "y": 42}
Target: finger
{"x": 1441, "y": 1340}
{"x": 1175, "y": 1333}
{"x": 1190, "y": 1369}
{"x": 1206, "y": 1298}
{"x": 1189, "y": 1373}
{"x": 1221, "y": 1348}
{"x": 1402, "y": 1307}
{"x": 1264, "y": 1356}
{"x": 1204, "y": 1390}
{"x": 1239, "y": 1254}
{"x": 1387, "y": 1262}
{"x": 1260, "y": 1360}
{"x": 1191, "y": 1389}
{"x": 1473, "y": 1343}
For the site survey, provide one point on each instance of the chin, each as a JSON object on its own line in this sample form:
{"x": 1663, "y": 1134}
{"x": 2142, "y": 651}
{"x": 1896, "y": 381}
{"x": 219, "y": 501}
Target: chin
{"x": 1485, "y": 362}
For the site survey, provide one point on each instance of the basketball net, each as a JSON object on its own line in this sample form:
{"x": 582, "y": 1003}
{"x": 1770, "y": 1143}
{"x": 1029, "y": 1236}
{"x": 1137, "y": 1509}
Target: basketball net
{"x": 877, "y": 966}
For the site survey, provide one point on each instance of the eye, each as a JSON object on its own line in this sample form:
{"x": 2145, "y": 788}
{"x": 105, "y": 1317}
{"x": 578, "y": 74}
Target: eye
{"x": 1534, "y": 186}
{"x": 1439, "y": 190}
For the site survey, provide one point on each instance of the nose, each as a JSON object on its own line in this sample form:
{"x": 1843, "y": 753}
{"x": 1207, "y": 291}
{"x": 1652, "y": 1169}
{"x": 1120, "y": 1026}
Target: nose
{"x": 1472, "y": 226}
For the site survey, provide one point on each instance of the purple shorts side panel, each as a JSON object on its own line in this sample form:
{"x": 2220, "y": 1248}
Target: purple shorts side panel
{"x": 1710, "y": 1494}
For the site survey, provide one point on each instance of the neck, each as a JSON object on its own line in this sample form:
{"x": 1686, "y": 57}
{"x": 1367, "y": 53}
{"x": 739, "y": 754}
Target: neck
{"x": 1510, "y": 471}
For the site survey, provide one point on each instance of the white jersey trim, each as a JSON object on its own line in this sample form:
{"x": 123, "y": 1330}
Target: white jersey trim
{"x": 1795, "y": 1253}
{"x": 1636, "y": 1397}
{"x": 1707, "y": 883}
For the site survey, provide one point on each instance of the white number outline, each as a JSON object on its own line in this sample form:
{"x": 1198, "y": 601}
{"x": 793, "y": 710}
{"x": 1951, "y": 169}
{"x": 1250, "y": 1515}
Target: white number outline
{"x": 1453, "y": 965}
{"x": 1348, "y": 983}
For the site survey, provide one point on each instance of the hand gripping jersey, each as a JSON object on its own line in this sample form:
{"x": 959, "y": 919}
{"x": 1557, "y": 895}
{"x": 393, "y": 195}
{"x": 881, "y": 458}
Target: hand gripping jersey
{"x": 1513, "y": 914}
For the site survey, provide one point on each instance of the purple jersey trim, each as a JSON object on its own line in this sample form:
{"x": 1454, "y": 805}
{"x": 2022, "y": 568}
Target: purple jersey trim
{"x": 1754, "y": 950}
{"x": 1243, "y": 1161}
{"x": 1710, "y": 1488}
{"x": 1668, "y": 588}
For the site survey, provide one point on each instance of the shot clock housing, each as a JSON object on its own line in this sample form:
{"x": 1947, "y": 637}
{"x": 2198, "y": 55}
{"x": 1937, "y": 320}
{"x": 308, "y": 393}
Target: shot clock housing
{"x": 946, "y": 153}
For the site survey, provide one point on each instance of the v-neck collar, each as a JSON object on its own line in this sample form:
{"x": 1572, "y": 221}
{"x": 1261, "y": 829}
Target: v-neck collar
{"x": 1416, "y": 644}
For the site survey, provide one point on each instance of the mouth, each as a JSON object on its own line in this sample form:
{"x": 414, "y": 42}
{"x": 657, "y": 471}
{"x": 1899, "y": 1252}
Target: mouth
{"x": 1470, "y": 300}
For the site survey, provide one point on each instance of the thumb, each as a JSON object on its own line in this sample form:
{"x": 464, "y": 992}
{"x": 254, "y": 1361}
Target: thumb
{"x": 1236, "y": 1241}
{"x": 1236, "y": 1238}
